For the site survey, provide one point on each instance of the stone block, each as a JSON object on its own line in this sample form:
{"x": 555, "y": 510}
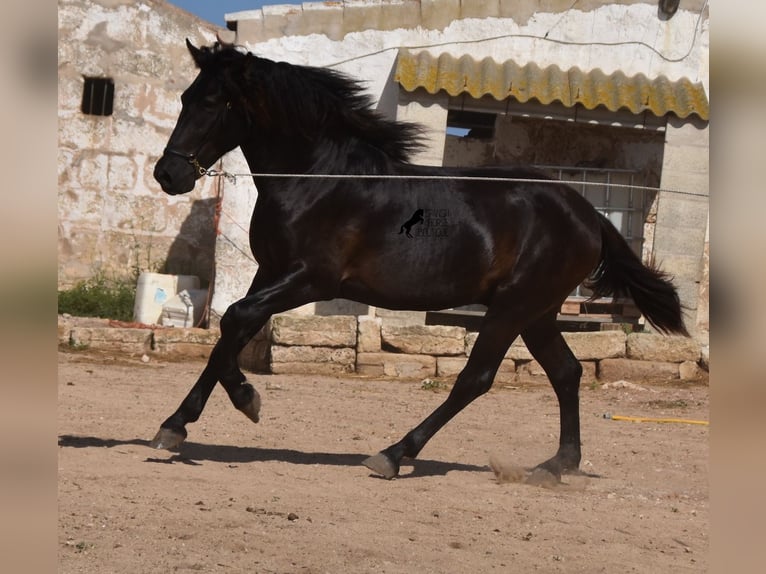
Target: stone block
{"x": 313, "y": 330}
{"x": 401, "y": 317}
{"x": 690, "y": 371}
{"x": 450, "y": 366}
{"x": 399, "y": 14}
{"x": 596, "y": 345}
{"x": 368, "y": 335}
{"x": 312, "y": 360}
{"x": 320, "y": 18}
{"x": 507, "y": 372}
{"x": 518, "y": 351}
{"x": 671, "y": 349}
{"x": 136, "y": 341}
{"x": 256, "y": 356}
{"x": 396, "y": 365}
{"x": 534, "y": 369}
{"x": 438, "y": 14}
{"x": 277, "y": 19}
{"x": 196, "y": 343}
{"x": 360, "y": 15}
{"x": 480, "y": 9}
{"x": 635, "y": 371}
{"x": 424, "y": 339}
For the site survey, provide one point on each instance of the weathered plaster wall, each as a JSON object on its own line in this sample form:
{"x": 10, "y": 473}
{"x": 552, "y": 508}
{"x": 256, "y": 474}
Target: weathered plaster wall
{"x": 113, "y": 216}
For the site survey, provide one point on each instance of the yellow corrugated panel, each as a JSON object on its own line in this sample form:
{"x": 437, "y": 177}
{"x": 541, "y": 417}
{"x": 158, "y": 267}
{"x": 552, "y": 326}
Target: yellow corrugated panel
{"x": 590, "y": 89}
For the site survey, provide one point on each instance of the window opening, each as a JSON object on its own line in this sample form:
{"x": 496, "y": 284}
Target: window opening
{"x": 98, "y": 96}
{"x": 475, "y": 125}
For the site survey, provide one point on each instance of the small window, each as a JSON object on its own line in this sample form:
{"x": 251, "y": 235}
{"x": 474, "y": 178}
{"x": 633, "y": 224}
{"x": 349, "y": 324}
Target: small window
{"x": 475, "y": 125}
{"x": 98, "y": 96}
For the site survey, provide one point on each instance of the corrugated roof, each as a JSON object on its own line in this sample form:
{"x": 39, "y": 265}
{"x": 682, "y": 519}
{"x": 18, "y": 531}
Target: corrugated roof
{"x": 590, "y": 89}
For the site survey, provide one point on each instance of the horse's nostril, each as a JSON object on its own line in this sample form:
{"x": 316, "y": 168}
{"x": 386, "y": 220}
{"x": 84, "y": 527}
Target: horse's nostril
{"x": 162, "y": 177}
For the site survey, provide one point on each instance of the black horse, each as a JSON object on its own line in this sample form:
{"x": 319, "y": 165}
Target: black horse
{"x": 517, "y": 247}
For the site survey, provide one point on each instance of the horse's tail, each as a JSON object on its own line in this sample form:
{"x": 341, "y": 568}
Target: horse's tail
{"x": 621, "y": 273}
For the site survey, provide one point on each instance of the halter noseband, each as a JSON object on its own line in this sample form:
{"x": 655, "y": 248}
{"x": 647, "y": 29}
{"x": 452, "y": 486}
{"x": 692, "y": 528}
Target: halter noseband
{"x": 190, "y": 158}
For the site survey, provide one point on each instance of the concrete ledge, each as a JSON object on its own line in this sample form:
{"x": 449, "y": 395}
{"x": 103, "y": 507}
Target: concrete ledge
{"x": 335, "y": 19}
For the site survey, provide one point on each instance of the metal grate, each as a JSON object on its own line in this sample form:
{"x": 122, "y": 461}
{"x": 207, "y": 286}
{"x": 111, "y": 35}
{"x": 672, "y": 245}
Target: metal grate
{"x": 97, "y": 96}
{"x": 625, "y": 206}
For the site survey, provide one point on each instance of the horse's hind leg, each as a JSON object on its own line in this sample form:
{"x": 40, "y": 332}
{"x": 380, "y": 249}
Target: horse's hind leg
{"x": 544, "y": 340}
{"x": 496, "y": 335}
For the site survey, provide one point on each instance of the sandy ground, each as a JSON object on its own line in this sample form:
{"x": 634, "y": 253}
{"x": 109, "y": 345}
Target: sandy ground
{"x": 289, "y": 495}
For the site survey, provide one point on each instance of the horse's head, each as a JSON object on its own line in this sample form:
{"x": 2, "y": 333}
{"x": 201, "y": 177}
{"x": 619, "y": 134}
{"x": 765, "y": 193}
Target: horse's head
{"x": 212, "y": 120}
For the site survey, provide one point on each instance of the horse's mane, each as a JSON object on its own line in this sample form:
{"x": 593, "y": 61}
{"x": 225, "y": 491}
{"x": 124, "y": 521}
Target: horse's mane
{"x": 310, "y": 102}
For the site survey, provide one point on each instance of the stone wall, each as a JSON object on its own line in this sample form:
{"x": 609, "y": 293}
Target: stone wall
{"x": 113, "y": 217}
{"x": 368, "y": 346}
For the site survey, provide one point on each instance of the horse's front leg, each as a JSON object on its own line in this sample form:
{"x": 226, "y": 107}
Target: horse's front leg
{"x": 239, "y": 324}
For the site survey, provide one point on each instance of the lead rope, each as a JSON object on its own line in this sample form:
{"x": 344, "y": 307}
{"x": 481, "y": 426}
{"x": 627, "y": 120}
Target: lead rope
{"x": 232, "y": 177}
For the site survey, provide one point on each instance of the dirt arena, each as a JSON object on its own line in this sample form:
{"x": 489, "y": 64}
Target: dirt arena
{"x": 289, "y": 495}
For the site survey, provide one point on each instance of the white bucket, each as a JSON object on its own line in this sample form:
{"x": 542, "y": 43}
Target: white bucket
{"x": 156, "y": 289}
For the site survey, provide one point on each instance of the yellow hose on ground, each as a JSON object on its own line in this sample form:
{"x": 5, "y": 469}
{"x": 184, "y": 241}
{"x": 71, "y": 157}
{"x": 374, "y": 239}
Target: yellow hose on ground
{"x": 654, "y": 420}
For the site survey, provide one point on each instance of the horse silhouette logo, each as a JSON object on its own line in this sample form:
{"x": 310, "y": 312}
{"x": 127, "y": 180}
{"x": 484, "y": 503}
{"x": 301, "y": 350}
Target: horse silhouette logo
{"x": 416, "y": 218}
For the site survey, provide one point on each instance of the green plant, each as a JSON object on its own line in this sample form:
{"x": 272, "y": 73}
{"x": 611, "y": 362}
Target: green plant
{"x": 432, "y": 385}
{"x": 99, "y": 296}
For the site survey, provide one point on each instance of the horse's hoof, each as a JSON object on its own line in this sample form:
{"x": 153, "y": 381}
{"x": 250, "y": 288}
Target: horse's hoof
{"x": 542, "y": 477}
{"x": 168, "y": 439}
{"x": 253, "y": 408}
{"x": 381, "y": 464}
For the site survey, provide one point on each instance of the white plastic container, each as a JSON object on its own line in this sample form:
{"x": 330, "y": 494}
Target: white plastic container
{"x": 185, "y": 309}
{"x": 154, "y": 290}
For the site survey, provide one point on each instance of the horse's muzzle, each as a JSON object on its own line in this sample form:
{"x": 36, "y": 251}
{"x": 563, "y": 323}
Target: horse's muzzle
{"x": 174, "y": 175}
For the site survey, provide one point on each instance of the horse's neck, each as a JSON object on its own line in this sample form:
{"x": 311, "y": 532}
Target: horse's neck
{"x": 274, "y": 158}
{"x": 321, "y": 158}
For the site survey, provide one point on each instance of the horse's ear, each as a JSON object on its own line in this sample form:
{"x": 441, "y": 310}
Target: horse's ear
{"x": 223, "y": 43}
{"x": 195, "y": 52}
